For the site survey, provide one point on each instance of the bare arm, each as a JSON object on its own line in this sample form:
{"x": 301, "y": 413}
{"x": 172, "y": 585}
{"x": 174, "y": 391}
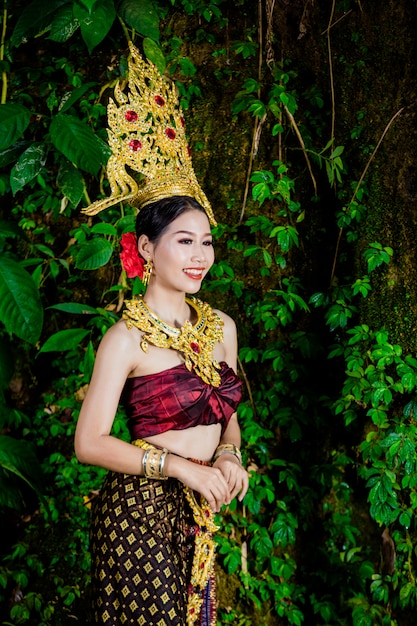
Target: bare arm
{"x": 93, "y": 442}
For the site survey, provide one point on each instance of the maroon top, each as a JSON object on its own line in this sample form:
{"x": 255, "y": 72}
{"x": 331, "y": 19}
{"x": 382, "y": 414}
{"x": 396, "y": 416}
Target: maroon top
{"x": 175, "y": 399}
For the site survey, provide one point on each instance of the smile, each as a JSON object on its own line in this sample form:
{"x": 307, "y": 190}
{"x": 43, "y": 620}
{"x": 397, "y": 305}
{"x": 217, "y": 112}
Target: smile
{"x": 195, "y": 274}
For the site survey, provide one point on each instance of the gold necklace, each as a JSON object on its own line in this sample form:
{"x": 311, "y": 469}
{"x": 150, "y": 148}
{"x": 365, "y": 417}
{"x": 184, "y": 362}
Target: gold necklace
{"x": 195, "y": 342}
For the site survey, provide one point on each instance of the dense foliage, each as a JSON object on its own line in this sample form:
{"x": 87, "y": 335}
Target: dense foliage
{"x": 327, "y": 531}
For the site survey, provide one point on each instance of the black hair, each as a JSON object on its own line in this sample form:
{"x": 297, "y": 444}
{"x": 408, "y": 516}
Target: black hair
{"x": 154, "y": 218}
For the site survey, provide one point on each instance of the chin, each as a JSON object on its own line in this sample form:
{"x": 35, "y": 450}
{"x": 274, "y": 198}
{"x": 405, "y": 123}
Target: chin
{"x": 192, "y": 291}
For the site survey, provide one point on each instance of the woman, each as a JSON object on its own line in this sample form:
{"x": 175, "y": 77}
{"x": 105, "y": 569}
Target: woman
{"x": 171, "y": 361}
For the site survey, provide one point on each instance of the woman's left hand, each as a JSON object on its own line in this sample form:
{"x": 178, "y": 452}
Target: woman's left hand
{"x": 235, "y": 475}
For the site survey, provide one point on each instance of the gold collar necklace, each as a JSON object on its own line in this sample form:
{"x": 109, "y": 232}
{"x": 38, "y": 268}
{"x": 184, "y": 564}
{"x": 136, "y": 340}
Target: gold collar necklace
{"x": 195, "y": 342}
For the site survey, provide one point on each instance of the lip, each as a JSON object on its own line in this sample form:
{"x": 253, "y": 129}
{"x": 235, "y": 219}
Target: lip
{"x": 195, "y": 273}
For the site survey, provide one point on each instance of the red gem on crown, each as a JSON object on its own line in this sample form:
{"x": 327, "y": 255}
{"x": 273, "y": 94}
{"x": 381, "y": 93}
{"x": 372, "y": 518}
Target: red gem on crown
{"x": 159, "y": 101}
{"x": 131, "y": 116}
{"x": 170, "y": 133}
{"x": 195, "y": 347}
{"x": 182, "y": 121}
{"x": 135, "y": 145}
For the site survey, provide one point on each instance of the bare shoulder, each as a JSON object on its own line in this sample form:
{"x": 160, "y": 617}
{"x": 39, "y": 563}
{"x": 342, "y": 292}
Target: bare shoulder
{"x": 119, "y": 344}
{"x": 118, "y": 334}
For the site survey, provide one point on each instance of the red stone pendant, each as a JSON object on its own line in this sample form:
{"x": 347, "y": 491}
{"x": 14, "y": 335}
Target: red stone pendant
{"x": 135, "y": 145}
{"x": 131, "y": 116}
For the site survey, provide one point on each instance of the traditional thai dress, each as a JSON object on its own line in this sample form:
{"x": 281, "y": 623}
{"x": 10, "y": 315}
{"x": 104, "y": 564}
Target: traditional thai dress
{"x": 145, "y": 533}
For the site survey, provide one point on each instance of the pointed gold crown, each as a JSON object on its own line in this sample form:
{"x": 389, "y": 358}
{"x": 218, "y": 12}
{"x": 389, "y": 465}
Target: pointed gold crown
{"x": 147, "y": 136}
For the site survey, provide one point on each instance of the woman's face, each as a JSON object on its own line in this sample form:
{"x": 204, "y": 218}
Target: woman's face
{"x": 184, "y": 253}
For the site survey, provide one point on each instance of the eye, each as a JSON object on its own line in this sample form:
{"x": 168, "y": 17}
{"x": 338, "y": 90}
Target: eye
{"x": 207, "y": 243}
{"x": 186, "y": 241}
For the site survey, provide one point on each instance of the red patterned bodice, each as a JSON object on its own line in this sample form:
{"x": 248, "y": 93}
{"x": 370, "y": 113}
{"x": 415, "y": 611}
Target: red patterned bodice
{"x": 175, "y": 399}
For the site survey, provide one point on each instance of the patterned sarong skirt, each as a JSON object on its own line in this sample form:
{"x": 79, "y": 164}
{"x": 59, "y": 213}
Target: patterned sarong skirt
{"x": 143, "y": 543}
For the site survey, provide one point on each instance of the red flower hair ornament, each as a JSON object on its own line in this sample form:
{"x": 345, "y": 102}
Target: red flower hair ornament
{"x": 132, "y": 262}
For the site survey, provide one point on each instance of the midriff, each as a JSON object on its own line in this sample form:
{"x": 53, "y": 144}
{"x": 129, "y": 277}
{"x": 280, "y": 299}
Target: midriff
{"x": 197, "y": 442}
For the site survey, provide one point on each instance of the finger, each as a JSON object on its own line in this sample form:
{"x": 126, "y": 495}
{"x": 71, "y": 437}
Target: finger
{"x": 219, "y": 491}
{"x": 245, "y": 487}
{"x": 238, "y": 483}
{"x": 237, "y": 489}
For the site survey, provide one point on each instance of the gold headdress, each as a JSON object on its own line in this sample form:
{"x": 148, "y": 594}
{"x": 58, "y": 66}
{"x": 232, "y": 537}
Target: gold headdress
{"x": 147, "y": 135}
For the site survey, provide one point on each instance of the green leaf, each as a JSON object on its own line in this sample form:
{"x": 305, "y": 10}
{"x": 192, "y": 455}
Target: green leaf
{"x": 12, "y": 153}
{"x": 88, "y": 4}
{"x": 64, "y": 340}
{"x": 21, "y": 309}
{"x": 88, "y": 363}
{"x": 70, "y": 182}
{"x": 154, "y": 53}
{"x": 72, "y": 97}
{"x": 78, "y": 143}
{"x": 142, "y": 16}
{"x": 257, "y": 108}
{"x": 267, "y": 257}
{"x": 94, "y": 254}
{"x": 261, "y": 192}
{"x": 233, "y": 560}
{"x": 95, "y": 24}
{"x": 28, "y": 166}
{"x": 126, "y": 224}
{"x": 337, "y": 152}
{"x": 9, "y": 229}
{"x": 34, "y": 19}
{"x": 64, "y": 24}
{"x": 14, "y": 119}
{"x": 74, "y": 307}
{"x": 251, "y": 85}
{"x": 18, "y": 457}
{"x": 262, "y": 544}
{"x": 102, "y": 228}
{"x": 10, "y": 494}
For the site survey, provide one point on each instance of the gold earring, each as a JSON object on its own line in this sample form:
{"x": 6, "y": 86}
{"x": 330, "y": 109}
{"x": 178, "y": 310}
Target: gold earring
{"x": 147, "y": 272}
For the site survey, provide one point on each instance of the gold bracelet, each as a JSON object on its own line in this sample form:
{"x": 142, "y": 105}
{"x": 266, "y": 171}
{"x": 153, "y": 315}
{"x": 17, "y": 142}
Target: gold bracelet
{"x": 145, "y": 460}
{"x": 153, "y": 463}
{"x": 162, "y": 464}
{"x": 228, "y": 448}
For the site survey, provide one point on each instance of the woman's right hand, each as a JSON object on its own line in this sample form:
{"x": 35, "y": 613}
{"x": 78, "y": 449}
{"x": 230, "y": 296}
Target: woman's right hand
{"x": 206, "y": 480}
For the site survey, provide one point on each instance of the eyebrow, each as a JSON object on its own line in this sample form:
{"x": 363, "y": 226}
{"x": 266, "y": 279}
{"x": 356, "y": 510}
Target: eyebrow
{"x": 189, "y": 232}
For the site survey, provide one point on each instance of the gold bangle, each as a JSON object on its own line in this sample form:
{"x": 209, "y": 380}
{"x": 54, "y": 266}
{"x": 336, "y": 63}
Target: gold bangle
{"x": 153, "y": 460}
{"x": 153, "y": 463}
{"x": 228, "y": 448}
{"x": 145, "y": 460}
{"x": 162, "y": 464}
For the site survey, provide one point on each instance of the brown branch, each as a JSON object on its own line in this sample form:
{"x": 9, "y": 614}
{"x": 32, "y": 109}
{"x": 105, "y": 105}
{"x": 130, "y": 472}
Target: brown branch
{"x": 247, "y": 384}
{"x": 336, "y": 22}
{"x": 255, "y": 130}
{"x": 302, "y": 144}
{"x": 387, "y": 127}
{"x": 329, "y": 50}
{"x": 3, "y": 39}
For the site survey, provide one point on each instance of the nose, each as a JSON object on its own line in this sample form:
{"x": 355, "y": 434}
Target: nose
{"x": 199, "y": 254}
